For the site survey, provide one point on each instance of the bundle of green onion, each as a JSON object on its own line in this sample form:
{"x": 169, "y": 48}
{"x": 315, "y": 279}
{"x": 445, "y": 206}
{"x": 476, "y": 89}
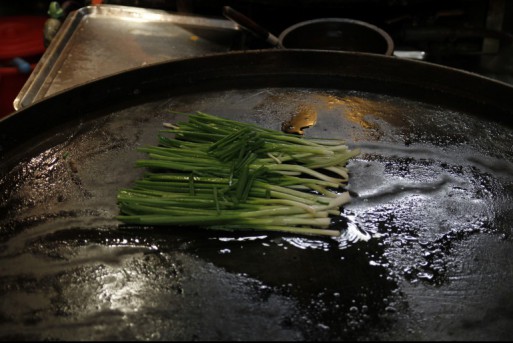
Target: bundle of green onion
{"x": 218, "y": 173}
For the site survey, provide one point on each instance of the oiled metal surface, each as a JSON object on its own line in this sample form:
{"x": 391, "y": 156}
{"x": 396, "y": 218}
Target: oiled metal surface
{"x": 425, "y": 253}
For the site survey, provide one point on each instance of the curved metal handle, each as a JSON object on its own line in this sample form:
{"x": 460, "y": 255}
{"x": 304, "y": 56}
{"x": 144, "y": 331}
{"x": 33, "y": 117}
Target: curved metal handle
{"x": 250, "y": 25}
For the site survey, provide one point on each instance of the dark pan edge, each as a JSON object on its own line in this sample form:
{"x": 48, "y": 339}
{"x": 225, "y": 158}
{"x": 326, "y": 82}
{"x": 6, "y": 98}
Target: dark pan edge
{"x": 423, "y": 81}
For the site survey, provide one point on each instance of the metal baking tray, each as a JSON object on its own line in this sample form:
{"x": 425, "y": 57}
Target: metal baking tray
{"x": 98, "y": 41}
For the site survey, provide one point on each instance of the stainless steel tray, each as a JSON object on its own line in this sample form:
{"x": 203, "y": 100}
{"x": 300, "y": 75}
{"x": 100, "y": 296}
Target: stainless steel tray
{"x": 97, "y": 41}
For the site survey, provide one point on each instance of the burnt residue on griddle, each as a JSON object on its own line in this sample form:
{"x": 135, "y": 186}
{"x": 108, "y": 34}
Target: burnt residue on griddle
{"x": 305, "y": 117}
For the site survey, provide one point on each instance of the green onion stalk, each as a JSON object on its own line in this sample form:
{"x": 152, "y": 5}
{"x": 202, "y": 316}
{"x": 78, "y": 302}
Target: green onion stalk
{"x": 222, "y": 174}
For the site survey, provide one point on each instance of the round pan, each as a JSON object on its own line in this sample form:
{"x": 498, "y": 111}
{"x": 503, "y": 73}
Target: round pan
{"x": 339, "y": 34}
{"x": 425, "y": 248}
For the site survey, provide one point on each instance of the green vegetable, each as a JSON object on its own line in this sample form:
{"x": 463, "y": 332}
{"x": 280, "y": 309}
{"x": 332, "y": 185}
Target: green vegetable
{"x": 222, "y": 174}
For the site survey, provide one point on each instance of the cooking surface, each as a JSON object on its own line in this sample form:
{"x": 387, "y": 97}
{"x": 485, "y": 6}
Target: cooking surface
{"x": 425, "y": 251}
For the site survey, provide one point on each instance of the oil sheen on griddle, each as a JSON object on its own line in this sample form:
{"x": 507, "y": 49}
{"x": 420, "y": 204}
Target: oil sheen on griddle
{"x": 305, "y": 117}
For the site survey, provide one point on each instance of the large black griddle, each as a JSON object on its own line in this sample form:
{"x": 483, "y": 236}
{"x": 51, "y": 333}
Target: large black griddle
{"x": 425, "y": 251}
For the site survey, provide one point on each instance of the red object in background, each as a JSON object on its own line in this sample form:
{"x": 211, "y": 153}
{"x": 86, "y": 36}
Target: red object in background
{"x": 20, "y": 36}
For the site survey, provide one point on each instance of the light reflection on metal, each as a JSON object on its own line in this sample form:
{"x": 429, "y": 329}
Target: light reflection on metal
{"x": 121, "y": 289}
{"x": 240, "y": 239}
{"x": 359, "y": 109}
{"x": 307, "y": 243}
